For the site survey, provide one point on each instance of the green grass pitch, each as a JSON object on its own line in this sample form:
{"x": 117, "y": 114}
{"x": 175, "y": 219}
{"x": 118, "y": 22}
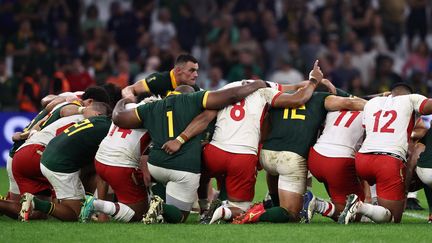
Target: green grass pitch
{"x": 414, "y": 228}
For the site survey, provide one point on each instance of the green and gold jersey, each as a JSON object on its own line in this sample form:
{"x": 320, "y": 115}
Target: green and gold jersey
{"x": 35, "y": 120}
{"x": 425, "y": 159}
{"x": 295, "y": 130}
{"x": 161, "y": 83}
{"x": 54, "y": 115}
{"x": 165, "y": 120}
{"x": 76, "y": 146}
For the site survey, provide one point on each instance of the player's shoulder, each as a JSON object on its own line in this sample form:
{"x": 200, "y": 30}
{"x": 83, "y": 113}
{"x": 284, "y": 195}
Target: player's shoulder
{"x": 157, "y": 76}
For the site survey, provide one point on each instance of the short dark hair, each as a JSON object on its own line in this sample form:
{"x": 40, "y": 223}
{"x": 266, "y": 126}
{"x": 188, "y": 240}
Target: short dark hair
{"x": 114, "y": 93}
{"x": 402, "y": 84}
{"x": 102, "y": 108}
{"x": 184, "y": 58}
{"x": 96, "y": 93}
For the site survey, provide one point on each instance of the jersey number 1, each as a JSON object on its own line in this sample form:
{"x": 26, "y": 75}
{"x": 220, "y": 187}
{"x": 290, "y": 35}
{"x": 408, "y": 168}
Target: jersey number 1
{"x": 169, "y": 115}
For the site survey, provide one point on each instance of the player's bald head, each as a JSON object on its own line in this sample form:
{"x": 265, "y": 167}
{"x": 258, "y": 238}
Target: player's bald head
{"x": 184, "y": 89}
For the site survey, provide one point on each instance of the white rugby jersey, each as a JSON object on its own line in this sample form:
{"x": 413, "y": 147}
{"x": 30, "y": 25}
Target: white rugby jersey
{"x": 238, "y": 126}
{"x": 342, "y": 134}
{"x": 44, "y": 136}
{"x": 123, "y": 147}
{"x": 389, "y": 122}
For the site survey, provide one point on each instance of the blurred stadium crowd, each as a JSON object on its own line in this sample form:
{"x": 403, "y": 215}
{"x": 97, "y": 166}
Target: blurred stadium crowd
{"x": 364, "y": 46}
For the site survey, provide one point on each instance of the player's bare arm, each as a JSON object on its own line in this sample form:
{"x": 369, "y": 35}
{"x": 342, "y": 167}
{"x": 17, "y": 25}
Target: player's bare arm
{"x": 48, "y": 99}
{"x": 145, "y": 170}
{"x": 336, "y": 103}
{"x": 197, "y": 126}
{"x": 427, "y": 108}
{"x": 302, "y": 95}
{"x": 219, "y": 99}
{"x": 293, "y": 87}
{"x": 134, "y": 89}
{"x": 411, "y": 164}
{"x": 125, "y": 118}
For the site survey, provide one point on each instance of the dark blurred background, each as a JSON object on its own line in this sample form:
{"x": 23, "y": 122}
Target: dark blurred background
{"x": 53, "y": 46}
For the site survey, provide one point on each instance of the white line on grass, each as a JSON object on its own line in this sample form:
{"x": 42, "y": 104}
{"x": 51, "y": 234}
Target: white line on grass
{"x": 415, "y": 215}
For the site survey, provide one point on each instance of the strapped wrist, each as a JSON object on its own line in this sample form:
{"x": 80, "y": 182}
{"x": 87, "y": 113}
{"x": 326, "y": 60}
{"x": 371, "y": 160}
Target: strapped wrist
{"x": 81, "y": 110}
{"x": 180, "y": 139}
{"x": 313, "y": 80}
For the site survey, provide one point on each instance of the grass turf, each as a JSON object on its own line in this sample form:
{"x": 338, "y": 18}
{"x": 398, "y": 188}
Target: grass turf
{"x": 413, "y": 228}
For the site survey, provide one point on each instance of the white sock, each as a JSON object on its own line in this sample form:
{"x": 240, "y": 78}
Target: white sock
{"x": 373, "y": 191}
{"x": 325, "y": 208}
{"x": 105, "y": 207}
{"x": 222, "y": 212}
{"x": 412, "y": 194}
{"x": 378, "y": 214}
{"x": 124, "y": 214}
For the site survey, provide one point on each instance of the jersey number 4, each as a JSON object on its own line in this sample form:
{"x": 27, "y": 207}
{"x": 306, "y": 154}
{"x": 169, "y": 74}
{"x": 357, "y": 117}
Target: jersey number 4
{"x": 386, "y": 128}
{"x": 123, "y": 131}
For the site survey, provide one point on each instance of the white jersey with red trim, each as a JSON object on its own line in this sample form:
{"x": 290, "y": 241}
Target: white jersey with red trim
{"x": 389, "y": 122}
{"x": 44, "y": 136}
{"x": 238, "y": 126}
{"x": 123, "y": 147}
{"x": 342, "y": 134}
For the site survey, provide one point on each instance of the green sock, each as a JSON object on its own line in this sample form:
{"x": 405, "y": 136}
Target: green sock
{"x": 172, "y": 214}
{"x": 43, "y": 206}
{"x": 223, "y": 195}
{"x": 275, "y": 199}
{"x": 159, "y": 190}
{"x": 428, "y": 194}
{"x": 276, "y": 215}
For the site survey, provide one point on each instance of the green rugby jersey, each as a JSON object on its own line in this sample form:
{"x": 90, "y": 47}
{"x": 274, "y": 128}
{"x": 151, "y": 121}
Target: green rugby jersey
{"x": 161, "y": 83}
{"x": 76, "y": 146}
{"x": 54, "y": 115}
{"x": 35, "y": 120}
{"x": 165, "y": 120}
{"x": 425, "y": 159}
{"x": 296, "y": 130}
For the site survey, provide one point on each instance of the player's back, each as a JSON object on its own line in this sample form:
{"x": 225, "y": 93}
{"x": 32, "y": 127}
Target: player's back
{"x": 388, "y": 123}
{"x": 237, "y": 128}
{"x": 123, "y": 147}
{"x": 44, "y": 136}
{"x": 342, "y": 134}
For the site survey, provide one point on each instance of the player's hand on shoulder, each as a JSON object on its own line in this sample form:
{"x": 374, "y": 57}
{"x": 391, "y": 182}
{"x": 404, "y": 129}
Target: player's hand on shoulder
{"x": 331, "y": 88}
{"x": 260, "y": 82}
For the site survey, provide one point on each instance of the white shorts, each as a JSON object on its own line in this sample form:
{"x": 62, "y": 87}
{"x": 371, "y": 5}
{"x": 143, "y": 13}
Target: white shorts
{"x": 425, "y": 175}
{"x": 181, "y": 186}
{"x": 291, "y": 168}
{"x": 13, "y": 186}
{"x": 67, "y": 186}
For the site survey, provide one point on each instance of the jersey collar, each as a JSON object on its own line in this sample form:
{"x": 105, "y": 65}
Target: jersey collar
{"x": 172, "y": 93}
{"x": 173, "y": 79}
